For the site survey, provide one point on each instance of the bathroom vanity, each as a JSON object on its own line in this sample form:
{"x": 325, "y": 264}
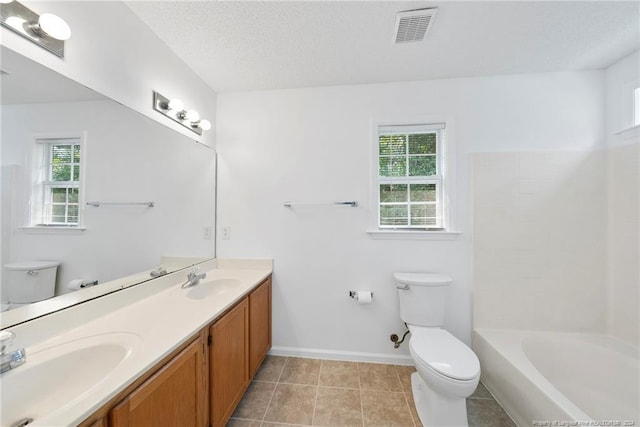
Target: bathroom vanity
{"x": 180, "y": 356}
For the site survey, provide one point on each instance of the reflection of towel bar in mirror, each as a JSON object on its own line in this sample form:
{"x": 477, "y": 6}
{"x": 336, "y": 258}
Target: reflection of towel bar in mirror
{"x": 289, "y": 204}
{"x": 98, "y": 204}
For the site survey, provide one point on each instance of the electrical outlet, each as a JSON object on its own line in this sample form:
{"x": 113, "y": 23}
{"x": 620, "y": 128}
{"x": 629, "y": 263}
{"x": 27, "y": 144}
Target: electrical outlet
{"x": 226, "y": 232}
{"x": 206, "y": 232}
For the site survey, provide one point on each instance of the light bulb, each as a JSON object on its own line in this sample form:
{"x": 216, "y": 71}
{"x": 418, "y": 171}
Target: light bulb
{"x": 17, "y": 24}
{"x": 5, "y": 1}
{"x": 54, "y": 26}
{"x": 175, "y": 104}
{"x": 192, "y": 116}
{"x": 204, "y": 124}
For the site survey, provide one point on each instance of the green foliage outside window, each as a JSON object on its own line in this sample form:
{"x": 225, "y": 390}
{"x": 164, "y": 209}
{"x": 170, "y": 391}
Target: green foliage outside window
{"x": 412, "y": 156}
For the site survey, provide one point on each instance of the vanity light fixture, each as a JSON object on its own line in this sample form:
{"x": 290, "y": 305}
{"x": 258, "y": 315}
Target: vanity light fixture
{"x": 47, "y": 30}
{"x": 174, "y": 109}
{"x": 203, "y": 124}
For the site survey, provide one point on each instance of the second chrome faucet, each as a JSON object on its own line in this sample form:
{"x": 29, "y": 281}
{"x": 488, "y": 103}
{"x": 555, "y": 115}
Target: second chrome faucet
{"x": 10, "y": 359}
{"x": 193, "y": 278}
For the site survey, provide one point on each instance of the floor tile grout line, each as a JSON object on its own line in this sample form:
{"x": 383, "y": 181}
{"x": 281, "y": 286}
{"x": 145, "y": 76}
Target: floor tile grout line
{"x": 315, "y": 400}
{"x": 360, "y": 393}
{"x": 395, "y": 369}
{"x": 274, "y": 391}
{"x": 406, "y": 400}
{"x": 266, "y": 410}
{"x": 286, "y": 359}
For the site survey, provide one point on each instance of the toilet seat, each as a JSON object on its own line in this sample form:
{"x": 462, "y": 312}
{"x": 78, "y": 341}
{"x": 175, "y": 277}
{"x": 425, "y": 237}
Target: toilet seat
{"x": 438, "y": 351}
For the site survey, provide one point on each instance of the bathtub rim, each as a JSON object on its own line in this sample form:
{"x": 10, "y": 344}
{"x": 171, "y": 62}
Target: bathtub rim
{"x": 527, "y": 381}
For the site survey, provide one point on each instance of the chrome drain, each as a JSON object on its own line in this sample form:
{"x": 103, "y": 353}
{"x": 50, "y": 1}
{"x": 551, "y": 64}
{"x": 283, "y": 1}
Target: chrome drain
{"x": 23, "y": 422}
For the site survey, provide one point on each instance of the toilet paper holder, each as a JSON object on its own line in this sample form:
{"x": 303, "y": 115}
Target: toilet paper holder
{"x": 354, "y": 294}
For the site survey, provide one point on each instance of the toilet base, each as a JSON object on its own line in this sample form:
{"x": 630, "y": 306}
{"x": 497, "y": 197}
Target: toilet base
{"x": 436, "y": 409}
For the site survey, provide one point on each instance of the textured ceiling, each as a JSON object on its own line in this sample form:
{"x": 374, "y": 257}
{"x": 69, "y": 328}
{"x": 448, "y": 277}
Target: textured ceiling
{"x": 247, "y": 45}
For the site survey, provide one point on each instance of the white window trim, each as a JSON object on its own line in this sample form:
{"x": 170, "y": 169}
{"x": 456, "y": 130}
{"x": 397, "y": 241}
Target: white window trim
{"x": 447, "y": 145}
{"x": 58, "y": 229}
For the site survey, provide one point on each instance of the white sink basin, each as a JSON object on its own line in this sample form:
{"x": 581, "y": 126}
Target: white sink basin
{"x": 212, "y": 287}
{"x": 57, "y": 376}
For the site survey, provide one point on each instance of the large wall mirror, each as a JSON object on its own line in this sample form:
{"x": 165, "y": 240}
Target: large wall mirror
{"x": 66, "y": 148}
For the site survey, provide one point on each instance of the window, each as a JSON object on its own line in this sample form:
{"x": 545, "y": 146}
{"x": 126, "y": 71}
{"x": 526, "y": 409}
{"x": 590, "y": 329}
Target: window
{"x": 410, "y": 178}
{"x": 57, "y": 182}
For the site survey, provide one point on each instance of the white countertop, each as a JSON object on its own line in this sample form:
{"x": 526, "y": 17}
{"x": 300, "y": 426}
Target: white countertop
{"x": 158, "y": 312}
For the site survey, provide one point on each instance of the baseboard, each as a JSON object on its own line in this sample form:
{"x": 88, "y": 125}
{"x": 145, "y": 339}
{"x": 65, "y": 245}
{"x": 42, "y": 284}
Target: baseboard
{"x": 350, "y": 356}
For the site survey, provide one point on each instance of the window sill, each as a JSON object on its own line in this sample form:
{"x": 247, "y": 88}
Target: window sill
{"x": 52, "y": 230}
{"x": 412, "y": 235}
{"x": 629, "y": 133}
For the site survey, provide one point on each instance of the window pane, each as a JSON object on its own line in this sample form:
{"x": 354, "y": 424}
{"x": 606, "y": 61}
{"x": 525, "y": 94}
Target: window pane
{"x": 422, "y": 143}
{"x": 73, "y": 214}
{"x": 393, "y": 215}
{"x": 73, "y": 195}
{"x": 390, "y": 193}
{"x": 423, "y": 214}
{"x": 58, "y": 213}
{"x": 76, "y": 173}
{"x": 422, "y": 165}
{"x": 393, "y": 144}
{"x": 423, "y": 192}
{"x": 59, "y": 195}
{"x": 61, "y": 153}
{"x": 393, "y": 166}
{"x": 76, "y": 154}
{"x": 60, "y": 172}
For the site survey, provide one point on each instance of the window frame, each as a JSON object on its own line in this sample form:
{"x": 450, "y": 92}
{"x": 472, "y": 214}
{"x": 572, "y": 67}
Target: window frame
{"x": 445, "y": 163}
{"x": 40, "y": 169}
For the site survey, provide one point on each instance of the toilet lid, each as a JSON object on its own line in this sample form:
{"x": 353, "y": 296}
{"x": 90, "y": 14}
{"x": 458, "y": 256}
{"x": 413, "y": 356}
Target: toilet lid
{"x": 440, "y": 351}
{"x": 31, "y": 265}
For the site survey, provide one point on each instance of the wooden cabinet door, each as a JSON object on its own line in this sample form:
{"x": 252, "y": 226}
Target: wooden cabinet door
{"x": 228, "y": 362}
{"x": 173, "y": 396}
{"x": 259, "y": 325}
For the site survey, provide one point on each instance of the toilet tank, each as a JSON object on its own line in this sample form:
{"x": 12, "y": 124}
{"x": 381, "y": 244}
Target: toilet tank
{"x": 422, "y": 297}
{"x": 30, "y": 281}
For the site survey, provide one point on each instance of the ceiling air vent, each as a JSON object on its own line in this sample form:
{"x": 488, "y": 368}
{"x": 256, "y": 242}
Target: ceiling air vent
{"x": 413, "y": 25}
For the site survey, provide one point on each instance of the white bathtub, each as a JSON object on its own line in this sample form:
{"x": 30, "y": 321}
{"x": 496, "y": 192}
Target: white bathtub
{"x": 541, "y": 377}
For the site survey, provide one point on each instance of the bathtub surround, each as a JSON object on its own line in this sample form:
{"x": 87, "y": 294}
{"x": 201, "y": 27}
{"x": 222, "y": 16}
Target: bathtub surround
{"x": 563, "y": 253}
{"x": 623, "y": 200}
{"x": 539, "y": 240}
{"x": 563, "y": 259}
{"x": 315, "y": 144}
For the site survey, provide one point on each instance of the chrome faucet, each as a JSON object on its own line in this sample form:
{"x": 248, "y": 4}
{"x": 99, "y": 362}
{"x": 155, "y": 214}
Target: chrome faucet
{"x": 193, "y": 278}
{"x": 10, "y": 360}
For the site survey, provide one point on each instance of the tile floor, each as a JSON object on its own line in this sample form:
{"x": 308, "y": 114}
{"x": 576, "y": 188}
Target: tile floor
{"x": 290, "y": 391}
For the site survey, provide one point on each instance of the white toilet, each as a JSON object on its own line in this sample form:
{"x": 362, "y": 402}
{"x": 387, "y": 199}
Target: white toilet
{"x": 447, "y": 370}
{"x": 30, "y": 281}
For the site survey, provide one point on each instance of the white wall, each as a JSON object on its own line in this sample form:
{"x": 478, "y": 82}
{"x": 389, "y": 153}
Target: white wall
{"x": 127, "y": 157}
{"x": 623, "y": 167}
{"x": 315, "y": 144}
{"x": 113, "y": 52}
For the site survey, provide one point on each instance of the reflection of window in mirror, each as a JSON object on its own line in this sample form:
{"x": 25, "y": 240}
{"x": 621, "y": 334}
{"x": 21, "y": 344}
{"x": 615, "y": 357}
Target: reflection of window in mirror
{"x": 57, "y": 182}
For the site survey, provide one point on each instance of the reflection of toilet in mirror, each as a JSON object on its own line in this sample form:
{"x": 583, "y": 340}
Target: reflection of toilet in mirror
{"x": 30, "y": 281}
